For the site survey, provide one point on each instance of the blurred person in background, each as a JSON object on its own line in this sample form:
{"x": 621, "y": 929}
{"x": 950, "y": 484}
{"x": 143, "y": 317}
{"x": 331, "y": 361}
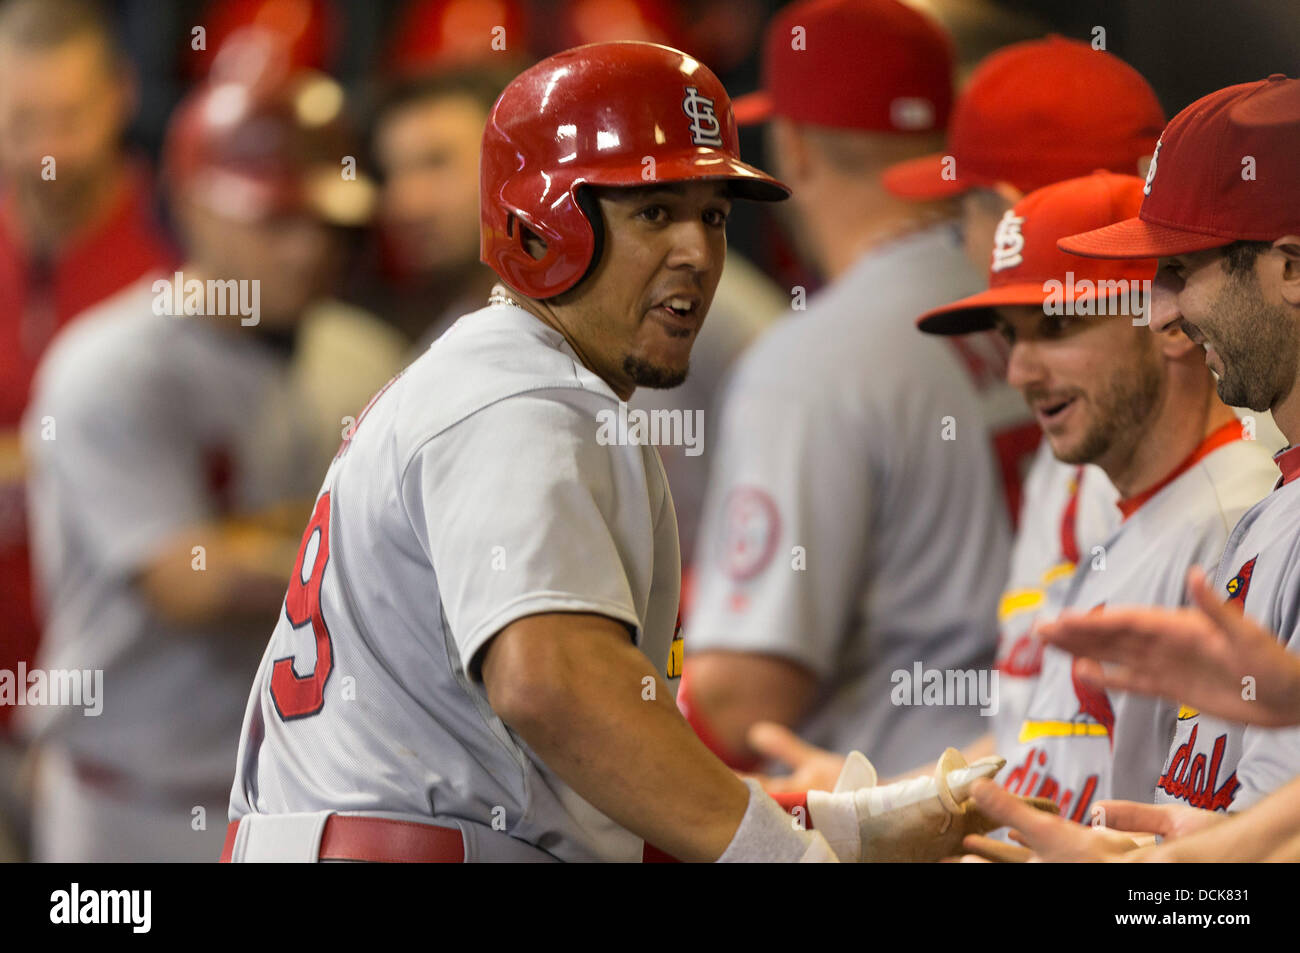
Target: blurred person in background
{"x": 847, "y": 535}
{"x": 173, "y": 460}
{"x": 76, "y": 225}
{"x": 426, "y": 140}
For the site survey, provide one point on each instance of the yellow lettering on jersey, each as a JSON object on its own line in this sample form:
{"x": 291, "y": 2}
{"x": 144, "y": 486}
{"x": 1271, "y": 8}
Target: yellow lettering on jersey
{"x": 1031, "y": 730}
{"x": 1018, "y": 600}
{"x": 676, "y": 652}
{"x": 1059, "y": 571}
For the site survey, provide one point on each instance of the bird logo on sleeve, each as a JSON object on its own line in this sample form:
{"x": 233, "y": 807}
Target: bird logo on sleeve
{"x": 1239, "y": 584}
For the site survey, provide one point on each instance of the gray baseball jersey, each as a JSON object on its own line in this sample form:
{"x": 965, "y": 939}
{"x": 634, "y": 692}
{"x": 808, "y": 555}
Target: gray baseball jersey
{"x": 475, "y": 490}
{"x": 1066, "y": 512}
{"x": 1220, "y": 765}
{"x": 141, "y": 426}
{"x": 1078, "y": 743}
{"x": 854, "y": 522}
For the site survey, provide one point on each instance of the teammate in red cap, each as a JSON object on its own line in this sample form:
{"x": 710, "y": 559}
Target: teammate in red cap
{"x": 1220, "y": 215}
{"x": 1031, "y": 114}
{"x": 1113, "y": 397}
{"x": 1141, "y": 408}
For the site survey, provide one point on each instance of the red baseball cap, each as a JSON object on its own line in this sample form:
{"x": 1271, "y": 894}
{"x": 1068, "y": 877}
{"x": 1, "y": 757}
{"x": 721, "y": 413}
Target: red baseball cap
{"x": 1227, "y": 168}
{"x": 854, "y": 64}
{"x": 434, "y": 35}
{"x": 1036, "y": 113}
{"x": 1028, "y": 268}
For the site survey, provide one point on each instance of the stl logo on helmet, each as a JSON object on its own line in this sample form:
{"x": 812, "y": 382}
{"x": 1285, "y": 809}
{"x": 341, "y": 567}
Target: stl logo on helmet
{"x": 706, "y": 130}
{"x": 1008, "y": 242}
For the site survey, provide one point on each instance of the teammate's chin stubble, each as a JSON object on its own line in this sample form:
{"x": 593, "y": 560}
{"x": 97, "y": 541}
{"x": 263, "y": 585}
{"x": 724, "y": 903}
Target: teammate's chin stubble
{"x": 1257, "y": 345}
{"x": 1121, "y": 409}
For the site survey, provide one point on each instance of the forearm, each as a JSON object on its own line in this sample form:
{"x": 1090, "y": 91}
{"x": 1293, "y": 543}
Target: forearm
{"x": 610, "y": 730}
{"x": 220, "y": 573}
{"x": 732, "y": 691}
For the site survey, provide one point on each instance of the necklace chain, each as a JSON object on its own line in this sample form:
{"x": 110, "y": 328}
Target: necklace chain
{"x": 499, "y": 296}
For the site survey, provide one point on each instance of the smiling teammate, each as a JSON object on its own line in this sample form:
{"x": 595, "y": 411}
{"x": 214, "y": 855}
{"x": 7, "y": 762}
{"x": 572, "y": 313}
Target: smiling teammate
{"x": 1142, "y": 408}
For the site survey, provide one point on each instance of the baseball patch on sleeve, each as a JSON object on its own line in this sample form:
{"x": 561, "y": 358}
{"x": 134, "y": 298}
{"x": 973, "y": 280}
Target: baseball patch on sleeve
{"x": 751, "y": 527}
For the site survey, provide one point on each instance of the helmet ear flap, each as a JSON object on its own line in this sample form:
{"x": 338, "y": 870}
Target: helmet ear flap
{"x": 585, "y": 196}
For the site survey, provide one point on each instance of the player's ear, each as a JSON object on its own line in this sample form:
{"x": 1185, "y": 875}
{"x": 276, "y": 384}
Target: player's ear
{"x": 1289, "y": 247}
{"x": 534, "y": 244}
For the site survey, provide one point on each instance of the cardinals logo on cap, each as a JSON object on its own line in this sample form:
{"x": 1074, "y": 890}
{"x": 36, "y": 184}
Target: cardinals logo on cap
{"x": 705, "y": 128}
{"x": 1008, "y": 242}
{"x": 1151, "y": 172}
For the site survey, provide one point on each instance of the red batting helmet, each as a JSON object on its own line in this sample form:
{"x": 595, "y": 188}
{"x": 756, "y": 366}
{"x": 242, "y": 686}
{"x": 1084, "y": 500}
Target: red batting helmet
{"x": 271, "y": 141}
{"x": 607, "y": 114}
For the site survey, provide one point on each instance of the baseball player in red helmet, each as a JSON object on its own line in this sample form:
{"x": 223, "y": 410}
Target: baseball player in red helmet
{"x": 477, "y": 657}
{"x": 479, "y": 637}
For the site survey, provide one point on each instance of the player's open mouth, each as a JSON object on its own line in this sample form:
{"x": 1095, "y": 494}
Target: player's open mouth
{"x": 1051, "y": 412}
{"x": 1197, "y": 336}
{"x": 680, "y": 314}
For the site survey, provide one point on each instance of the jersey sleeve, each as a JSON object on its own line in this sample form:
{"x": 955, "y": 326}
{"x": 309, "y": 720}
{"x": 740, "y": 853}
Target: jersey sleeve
{"x": 1270, "y": 757}
{"x": 516, "y": 506}
{"x": 115, "y": 470}
{"x": 784, "y": 530}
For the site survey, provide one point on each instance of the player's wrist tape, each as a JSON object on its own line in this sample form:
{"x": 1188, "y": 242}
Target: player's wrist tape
{"x": 865, "y": 822}
{"x": 768, "y": 835}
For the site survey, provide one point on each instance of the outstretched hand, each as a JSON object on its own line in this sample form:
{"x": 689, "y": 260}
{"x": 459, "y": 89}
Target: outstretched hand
{"x": 812, "y": 768}
{"x": 1127, "y": 829}
{"x": 1211, "y": 657}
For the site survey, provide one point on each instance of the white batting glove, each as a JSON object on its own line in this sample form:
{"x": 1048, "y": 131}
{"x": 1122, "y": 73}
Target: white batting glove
{"x": 918, "y": 819}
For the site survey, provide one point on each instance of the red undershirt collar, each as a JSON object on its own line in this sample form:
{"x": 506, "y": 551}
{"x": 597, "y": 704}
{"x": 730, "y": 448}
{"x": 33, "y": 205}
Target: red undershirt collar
{"x": 1288, "y": 461}
{"x": 1228, "y": 433}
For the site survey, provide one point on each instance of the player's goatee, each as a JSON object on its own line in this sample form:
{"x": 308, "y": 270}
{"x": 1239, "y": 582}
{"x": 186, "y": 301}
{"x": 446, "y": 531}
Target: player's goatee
{"x": 645, "y": 374}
